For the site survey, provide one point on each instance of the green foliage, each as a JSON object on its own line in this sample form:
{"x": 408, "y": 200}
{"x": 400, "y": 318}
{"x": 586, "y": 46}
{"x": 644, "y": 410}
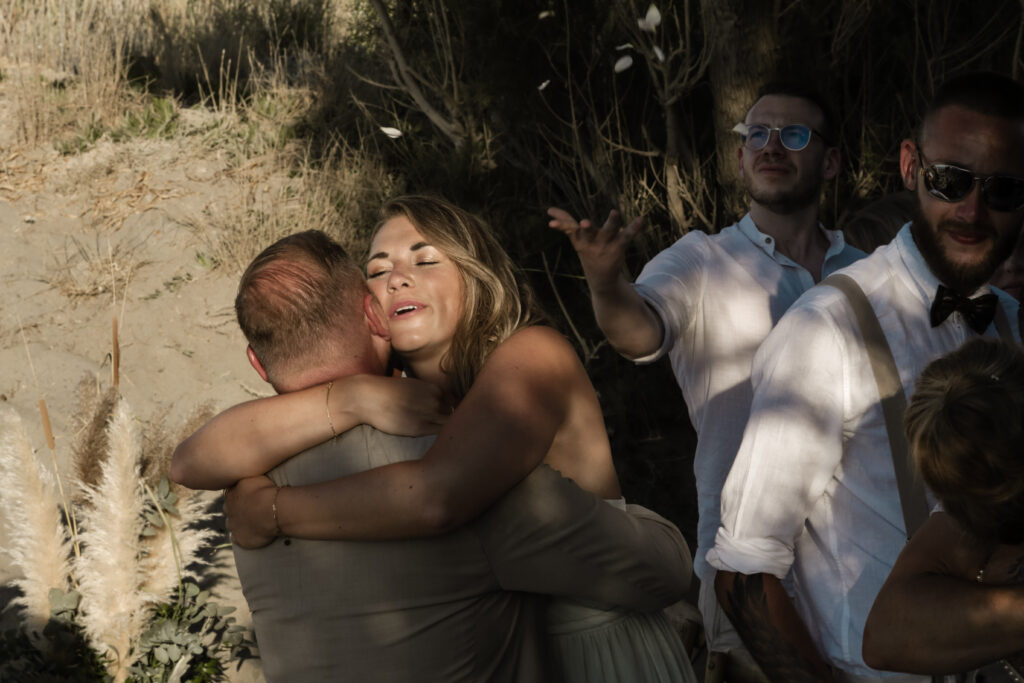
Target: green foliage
{"x": 61, "y": 652}
{"x": 83, "y": 139}
{"x": 157, "y": 119}
{"x": 70, "y": 659}
{"x": 192, "y": 630}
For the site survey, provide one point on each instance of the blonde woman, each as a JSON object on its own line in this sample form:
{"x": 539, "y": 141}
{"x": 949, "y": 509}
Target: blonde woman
{"x": 462, "y": 321}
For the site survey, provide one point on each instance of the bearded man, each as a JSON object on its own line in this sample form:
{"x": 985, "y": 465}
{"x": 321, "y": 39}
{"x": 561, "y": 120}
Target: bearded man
{"x": 812, "y": 521}
{"x": 708, "y": 301}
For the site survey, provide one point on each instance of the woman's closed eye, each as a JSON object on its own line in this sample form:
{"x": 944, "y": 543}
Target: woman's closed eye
{"x": 370, "y": 274}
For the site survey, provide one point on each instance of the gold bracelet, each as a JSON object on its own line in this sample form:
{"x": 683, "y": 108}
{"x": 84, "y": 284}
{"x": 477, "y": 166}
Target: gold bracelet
{"x": 327, "y": 405}
{"x": 273, "y": 506}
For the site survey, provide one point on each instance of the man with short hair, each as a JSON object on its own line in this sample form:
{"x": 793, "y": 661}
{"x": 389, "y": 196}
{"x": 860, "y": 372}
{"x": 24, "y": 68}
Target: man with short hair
{"x": 458, "y": 607}
{"x": 811, "y": 514}
{"x": 708, "y": 301}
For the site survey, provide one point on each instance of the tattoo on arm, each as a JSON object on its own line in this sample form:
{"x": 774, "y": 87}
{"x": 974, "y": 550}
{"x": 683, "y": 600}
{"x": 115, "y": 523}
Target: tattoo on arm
{"x": 771, "y": 646}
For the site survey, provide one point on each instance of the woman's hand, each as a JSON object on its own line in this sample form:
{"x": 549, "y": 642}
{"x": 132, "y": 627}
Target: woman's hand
{"x": 249, "y": 510}
{"x": 402, "y": 406}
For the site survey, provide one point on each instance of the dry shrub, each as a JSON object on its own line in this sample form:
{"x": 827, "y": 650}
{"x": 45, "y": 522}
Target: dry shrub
{"x": 199, "y": 49}
{"x": 85, "y": 270}
{"x": 67, "y": 62}
{"x": 338, "y": 194}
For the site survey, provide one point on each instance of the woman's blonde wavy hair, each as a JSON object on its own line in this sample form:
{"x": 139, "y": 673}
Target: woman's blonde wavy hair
{"x": 965, "y": 428}
{"x": 497, "y": 300}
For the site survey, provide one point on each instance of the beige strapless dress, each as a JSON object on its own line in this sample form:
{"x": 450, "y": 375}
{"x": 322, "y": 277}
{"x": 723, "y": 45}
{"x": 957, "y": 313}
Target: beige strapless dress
{"x": 591, "y": 643}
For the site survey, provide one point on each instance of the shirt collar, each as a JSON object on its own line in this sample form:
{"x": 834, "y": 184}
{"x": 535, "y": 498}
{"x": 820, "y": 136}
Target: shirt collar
{"x": 766, "y": 243}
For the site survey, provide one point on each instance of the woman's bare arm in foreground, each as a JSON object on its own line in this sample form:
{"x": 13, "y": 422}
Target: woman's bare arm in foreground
{"x": 909, "y": 628}
{"x": 500, "y": 432}
{"x": 253, "y": 437}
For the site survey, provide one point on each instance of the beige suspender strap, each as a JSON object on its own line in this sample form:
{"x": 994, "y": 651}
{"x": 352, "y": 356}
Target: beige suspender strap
{"x": 894, "y": 403}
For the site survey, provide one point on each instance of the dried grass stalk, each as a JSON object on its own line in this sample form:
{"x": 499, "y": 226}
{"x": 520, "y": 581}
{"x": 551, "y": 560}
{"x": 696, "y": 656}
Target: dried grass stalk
{"x": 95, "y": 409}
{"x": 39, "y": 544}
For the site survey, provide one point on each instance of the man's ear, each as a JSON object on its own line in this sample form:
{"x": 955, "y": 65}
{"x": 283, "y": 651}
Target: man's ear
{"x": 739, "y": 160}
{"x": 375, "y": 317}
{"x": 255, "y": 363}
{"x": 908, "y": 164}
{"x": 831, "y": 163}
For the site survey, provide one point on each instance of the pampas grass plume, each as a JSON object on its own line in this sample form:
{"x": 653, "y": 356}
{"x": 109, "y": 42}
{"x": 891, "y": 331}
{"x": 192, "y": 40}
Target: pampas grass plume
{"x": 160, "y": 566}
{"x": 39, "y": 544}
{"x": 93, "y": 416}
{"x": 113, "y": 608}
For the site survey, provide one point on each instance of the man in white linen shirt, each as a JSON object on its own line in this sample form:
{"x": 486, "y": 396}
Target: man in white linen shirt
{"x": 708, "y": 301}
{"x": 812, "y": 495}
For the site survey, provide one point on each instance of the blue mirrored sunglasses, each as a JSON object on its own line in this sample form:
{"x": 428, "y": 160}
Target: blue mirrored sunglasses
{"x": 793, "y": 137}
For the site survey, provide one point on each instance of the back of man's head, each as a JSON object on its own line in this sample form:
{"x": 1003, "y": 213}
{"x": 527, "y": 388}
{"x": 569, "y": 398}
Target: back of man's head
{"x": 829, "y": 126}
{"x": 984, "y": 92}
{"x": 299, "y": 302}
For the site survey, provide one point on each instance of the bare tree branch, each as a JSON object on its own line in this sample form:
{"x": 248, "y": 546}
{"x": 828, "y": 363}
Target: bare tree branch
{"x": 410, "y": 82}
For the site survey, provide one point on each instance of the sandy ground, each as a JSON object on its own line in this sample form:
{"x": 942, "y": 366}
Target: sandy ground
{"x": 85, "y": 238}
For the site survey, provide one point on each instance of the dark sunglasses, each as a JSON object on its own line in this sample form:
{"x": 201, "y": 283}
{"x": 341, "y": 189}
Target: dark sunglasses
{"x": 793, "y": 137}
{"x": 952, "y": 183}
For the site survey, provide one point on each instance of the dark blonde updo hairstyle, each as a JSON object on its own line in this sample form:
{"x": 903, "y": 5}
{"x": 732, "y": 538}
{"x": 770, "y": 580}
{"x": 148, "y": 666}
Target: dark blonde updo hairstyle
{"x": 965, "y": 428}
{"x": 497, "y": 300}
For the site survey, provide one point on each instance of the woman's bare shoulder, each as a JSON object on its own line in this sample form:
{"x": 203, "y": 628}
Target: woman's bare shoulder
{"x": 536, "y": 360}
{"x": 536, "y": 346}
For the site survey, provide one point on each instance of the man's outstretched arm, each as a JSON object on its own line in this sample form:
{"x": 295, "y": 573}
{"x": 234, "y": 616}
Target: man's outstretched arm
{"x": 909, "y": 627}
{"x": 770, "y": 627}
{"x": 632, "y": 328}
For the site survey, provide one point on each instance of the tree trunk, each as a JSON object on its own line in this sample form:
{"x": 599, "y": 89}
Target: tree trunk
{"x": 673, "y": 181}
{"x": 746, "y": 55}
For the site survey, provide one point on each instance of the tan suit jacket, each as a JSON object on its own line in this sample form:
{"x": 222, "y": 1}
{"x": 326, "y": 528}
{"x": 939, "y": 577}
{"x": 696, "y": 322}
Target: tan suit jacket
{"x": 458, "y": 607}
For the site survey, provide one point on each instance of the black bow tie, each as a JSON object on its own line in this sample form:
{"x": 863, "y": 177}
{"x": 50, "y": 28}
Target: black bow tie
{"x": 978, "y": 312}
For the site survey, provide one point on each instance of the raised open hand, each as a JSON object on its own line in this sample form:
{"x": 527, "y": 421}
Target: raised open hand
{"x": 602, "y": 251}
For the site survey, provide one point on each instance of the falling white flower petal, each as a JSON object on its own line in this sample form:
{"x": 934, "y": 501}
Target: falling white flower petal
{"x": 391, "y": 132}
{"x": 659, "y": 54}
{"x": 624, "y": 46}
{"x": 623, "y": 63}
{"x": 644, "y": 25}
{"x": 544, "y": 84}
{"x": 546, "y": 14}
{"x": 740, "y": 128}
{"x": 653, "y": 16}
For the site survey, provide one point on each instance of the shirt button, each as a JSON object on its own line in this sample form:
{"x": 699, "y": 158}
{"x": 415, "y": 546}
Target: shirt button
{"x": 767, "y": 240}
